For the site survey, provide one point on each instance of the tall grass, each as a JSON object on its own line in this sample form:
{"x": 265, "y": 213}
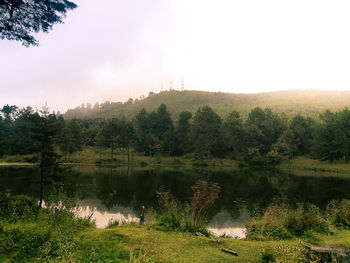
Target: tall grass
{"x": 280, "y": 222}
{"x": 188, "y": 217}
{"x": 30, "y": 233}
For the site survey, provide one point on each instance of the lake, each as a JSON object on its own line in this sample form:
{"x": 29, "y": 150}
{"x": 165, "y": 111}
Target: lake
{"x": 119, "y": 193}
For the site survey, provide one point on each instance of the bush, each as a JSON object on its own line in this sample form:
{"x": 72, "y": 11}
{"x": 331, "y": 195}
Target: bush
{"x": 338, "y": 213}
{"x": 175, "y": 215}
{"x": 18, "y": 207}
{"x": 271, "y": 225}
{"x": 306, "y": 218}
{"x": 254, "y": 157}
{"x": 260, "y": 230}
{"x": 268, "y": 256}
{"x": 189, "y": 156}
{"x": 171, "y": 211}
{"x": 273, "y": 158}
{"x": 280, "y": 223}
{"x": 24, "y": 241}
{"x": 49, "y": 236}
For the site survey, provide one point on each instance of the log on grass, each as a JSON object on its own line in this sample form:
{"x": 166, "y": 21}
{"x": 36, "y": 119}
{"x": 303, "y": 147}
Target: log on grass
{"x": 230, "y": 252}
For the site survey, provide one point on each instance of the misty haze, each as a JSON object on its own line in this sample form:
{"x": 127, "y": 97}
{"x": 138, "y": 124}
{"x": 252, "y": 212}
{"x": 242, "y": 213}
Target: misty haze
{"x": 174, "y": 131}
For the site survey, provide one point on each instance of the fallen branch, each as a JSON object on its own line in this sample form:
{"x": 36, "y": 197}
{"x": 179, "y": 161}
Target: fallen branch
{"x": 230, "y": 252}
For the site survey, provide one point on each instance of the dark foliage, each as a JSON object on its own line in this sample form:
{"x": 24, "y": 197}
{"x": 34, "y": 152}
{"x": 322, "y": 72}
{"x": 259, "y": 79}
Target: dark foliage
{"x": 264, "y": 138}
{"x": 20, "y": 18}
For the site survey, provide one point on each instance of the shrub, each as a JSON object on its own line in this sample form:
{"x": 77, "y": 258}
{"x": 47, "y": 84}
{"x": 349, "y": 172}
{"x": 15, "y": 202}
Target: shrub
{"x": 273, "y": 157}
{"x": 18, "y": 207}
{"x": 171, "y": 212}
{"x": 260, "y": 230}
{"x": 339, "y": 213}
{"x": 189, "y": 156}
{"x": 25, "y": 241}
{"x": 268, "y": 256}
{"x": 59, "y": 213}
{"x": 182, "y": 216}
{"x": 280, "y": 223}
{"x": 254, "y": 157}
{"x": 307, "y": 217}
{"x": 271, "y": 225}
{"x": 50, "y": 234}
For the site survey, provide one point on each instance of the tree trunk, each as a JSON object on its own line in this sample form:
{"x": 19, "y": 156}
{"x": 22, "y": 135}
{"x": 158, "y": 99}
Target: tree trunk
{"x": 128, "y": 149}
{"x": 112, "y": 149}
{"x": 41, "y": 185}
{"x": 132, "y": 156}
{"x": 289, "y": 157}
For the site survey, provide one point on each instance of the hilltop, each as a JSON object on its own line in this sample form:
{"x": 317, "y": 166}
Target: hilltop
{"x": 308, "y": 102}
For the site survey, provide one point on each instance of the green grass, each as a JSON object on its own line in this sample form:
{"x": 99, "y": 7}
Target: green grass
{"x": 148, "y": 243}
{"x": 74, "y": 241}
{"x": 172, "y": 246}
{"x": 341, "y": 238}
{"x": 310, "y": 166}
{"x": 91, "y": 156}
{"x": 28, "y": 159}
{"x": 102, "y": 156}
{"x": 299, "y": 165}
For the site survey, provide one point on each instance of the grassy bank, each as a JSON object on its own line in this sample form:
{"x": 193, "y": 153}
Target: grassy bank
{"x": 160, "y": 246}
{"x": 312, "y": 166}
{"x": 146, "y": 243}
{"x": 52, "y": 234}
{"x": 102, "y": 157}
{"x": 91, "y": 156}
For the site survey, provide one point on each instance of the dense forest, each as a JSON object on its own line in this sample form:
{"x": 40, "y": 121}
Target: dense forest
{"x": 263, "y": 137}
{"x": 309, "y": 103}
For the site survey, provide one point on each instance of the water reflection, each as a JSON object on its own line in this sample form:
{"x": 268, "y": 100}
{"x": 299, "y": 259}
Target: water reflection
{"x": 222, "y": 224}
{"x": 103, "y": 216}
{"x": 118, "y": 193}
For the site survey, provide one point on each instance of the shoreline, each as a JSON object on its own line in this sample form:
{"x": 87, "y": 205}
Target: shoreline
{"x": 298, "y": 166}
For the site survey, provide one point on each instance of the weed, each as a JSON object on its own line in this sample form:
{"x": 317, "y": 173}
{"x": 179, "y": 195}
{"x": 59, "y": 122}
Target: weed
{"x": 204, "y": 196}
{"x": 268, "y": 256}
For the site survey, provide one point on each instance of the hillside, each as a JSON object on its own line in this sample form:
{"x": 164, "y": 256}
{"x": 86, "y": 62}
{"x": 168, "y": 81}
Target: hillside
{"x": 309, "y": 102}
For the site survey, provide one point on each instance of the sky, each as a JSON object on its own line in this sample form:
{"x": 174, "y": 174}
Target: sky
{"x": 115, "y": 50}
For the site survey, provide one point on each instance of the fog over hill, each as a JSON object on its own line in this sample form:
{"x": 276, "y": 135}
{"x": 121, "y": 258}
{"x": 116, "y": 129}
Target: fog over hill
{"x": 309, "y": 102}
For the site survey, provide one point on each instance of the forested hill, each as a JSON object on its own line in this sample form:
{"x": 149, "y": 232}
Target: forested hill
{"x": 309, "y": 102}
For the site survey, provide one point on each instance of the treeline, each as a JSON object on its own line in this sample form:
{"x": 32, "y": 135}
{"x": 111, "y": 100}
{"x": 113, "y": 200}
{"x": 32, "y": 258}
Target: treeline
{"x": 264, "y": 137}
{"x": 85, "y": 111}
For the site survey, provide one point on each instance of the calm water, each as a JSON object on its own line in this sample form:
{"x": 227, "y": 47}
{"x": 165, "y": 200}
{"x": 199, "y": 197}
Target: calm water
{"x": 119, "y": 193}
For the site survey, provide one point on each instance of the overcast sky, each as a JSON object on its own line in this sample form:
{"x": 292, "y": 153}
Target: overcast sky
{"x": 116, "y": 49}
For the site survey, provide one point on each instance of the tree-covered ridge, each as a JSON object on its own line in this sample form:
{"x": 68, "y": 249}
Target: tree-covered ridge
{"x": 263, "y": 137}
{"x": 309, "y": 103}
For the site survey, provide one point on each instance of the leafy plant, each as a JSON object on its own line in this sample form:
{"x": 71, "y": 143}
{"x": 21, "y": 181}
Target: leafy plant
{"x": 339, "y": 212}
{"x": 307, "y": 217}
{"x": 268, "y": 256}
{"x": 171, "y": 215}
{"x": 18, "y": 207}
{"x": 279, "y": 222}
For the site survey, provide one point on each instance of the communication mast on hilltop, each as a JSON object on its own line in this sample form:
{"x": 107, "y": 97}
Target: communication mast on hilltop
{"x": 171, "y": 85}
{"x": 182, "y": 84}
{"x": 161, "y": 86}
